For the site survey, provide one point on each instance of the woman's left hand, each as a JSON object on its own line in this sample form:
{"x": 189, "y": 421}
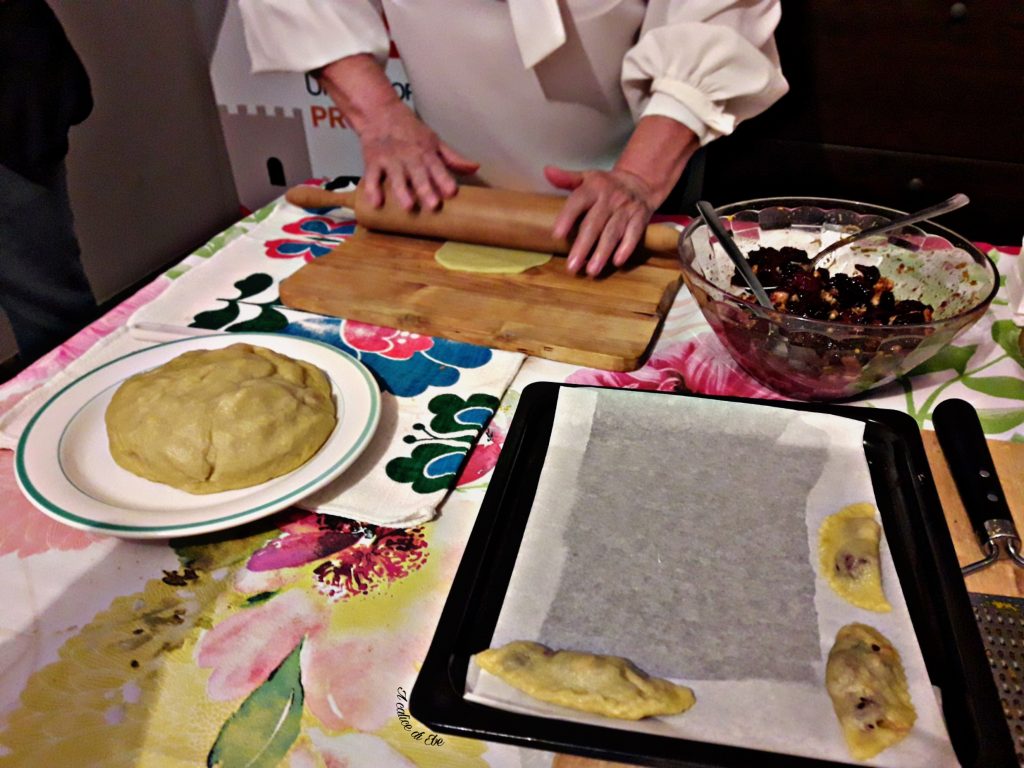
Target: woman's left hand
{"x": 612, "y": 208}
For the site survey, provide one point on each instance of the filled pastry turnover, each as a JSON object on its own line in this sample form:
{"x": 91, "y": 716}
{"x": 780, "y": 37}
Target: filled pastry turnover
{"x": 868, "y": 688}
{"x": 848, "y": 544}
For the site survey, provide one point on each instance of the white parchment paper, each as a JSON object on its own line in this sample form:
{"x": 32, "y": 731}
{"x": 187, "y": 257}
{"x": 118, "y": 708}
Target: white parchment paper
{"x": 682, "y": 534}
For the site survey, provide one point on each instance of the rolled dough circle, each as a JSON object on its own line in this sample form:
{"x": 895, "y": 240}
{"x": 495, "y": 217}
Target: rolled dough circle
{"x": 218, "y": 419}
{"x": 468, "y": 257}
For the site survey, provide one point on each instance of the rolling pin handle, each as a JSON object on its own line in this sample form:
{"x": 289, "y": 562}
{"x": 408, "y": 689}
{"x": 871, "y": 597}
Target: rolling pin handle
{"x": 661, "y": 237}
{"x": 306, "y": 196}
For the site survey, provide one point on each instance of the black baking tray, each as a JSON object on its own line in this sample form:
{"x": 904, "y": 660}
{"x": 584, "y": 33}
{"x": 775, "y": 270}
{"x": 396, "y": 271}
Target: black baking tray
{"x": 918, "y": 539}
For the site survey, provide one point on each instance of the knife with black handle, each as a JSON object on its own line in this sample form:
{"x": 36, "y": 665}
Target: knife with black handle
{"x": 963, "y": 444}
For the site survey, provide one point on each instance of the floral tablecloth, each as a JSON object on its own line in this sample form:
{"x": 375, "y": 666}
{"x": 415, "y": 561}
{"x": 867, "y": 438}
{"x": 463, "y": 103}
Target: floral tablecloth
{"x": 296, "y": 640}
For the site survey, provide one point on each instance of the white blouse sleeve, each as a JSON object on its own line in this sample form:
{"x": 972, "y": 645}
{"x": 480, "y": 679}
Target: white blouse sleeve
{"x": 707, "y": 63}
{"x": 300, "y": 35}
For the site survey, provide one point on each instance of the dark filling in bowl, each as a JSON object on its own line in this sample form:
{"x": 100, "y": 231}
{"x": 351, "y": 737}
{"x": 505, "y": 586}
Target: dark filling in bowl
{"x": 797, "y": 289}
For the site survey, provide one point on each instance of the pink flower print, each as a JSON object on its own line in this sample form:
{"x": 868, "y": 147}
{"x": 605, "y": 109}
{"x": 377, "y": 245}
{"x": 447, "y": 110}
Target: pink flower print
{"x": 25, "y": 530}
{"x": 700, "y": 365}
{"x": 342, "y": 560}
{"x": 1010, "y": 250}
{"x": 484, "y": 455}
{"x": 353, "y": 558}
{"x": 386, "y": 342}
{"x": 303, "y": 542}
{"x": 373, "y": 561}
{"x": 245, "y": 648}
{"x": 348, "y": 694}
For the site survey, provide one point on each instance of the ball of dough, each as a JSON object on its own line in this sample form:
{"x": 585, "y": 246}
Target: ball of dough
{"x": 218, "y": 419}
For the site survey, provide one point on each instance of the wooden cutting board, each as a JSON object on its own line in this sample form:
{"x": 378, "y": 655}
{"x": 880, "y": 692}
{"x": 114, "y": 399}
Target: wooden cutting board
{"x": 394, "y": 281}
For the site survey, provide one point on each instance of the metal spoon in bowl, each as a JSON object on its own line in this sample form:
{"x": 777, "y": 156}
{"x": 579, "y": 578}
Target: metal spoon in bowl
{"x": 956, "y": 201}
{"x": 711, "y": 220}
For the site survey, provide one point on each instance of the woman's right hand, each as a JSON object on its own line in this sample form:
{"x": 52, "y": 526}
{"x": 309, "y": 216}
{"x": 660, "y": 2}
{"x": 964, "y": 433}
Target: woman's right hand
{"x": 402, "y": 156}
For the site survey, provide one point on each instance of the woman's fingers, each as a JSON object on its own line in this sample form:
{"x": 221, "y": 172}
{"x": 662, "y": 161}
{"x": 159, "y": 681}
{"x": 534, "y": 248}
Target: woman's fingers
{"x": 576, "y": 205}
{"x": 612, "y": 209}
{"x": 563, "y": 178}
{"x": 441, "y": 176}
{"x": 455, "y": 161}
{"x": 422, "y": 184}
{"x": 405, "y": 157}
{"x": 415, "y": 179}
{"x": 372, "y": 177}
{"x": 398, "y": 184}
{"x": 635, "y": 229}
{"x": 608, "y": 242}
{"x": 587, "y": 237}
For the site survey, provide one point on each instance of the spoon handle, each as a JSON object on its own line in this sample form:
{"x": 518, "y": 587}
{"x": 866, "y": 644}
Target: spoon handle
{"x": 958, "y": 200}
{"x": 713, "y": 223}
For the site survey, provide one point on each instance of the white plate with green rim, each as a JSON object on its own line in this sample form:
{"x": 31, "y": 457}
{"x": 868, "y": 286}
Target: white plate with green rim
{"x": 64, "y": 467}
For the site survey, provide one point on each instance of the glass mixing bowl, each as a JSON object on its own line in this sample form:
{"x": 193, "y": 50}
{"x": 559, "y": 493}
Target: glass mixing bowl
{"x": 811, "y": 359}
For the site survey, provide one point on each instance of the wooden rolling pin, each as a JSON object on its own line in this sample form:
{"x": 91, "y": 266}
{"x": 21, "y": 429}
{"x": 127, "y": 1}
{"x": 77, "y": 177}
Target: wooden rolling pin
{"x": 479, "y": 215}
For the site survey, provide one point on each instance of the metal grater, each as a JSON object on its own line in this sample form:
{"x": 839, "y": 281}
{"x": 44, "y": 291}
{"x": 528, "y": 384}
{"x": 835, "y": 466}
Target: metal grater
{"x": 1001, "y": 622}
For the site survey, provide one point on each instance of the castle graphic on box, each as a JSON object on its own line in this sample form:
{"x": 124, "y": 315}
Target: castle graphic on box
{"x": 280, "y": 128}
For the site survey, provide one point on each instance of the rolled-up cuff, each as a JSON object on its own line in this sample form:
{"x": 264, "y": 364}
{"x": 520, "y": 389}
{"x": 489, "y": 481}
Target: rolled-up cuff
{"x": 691, "y": 107}
{"x": 667, "y": 106}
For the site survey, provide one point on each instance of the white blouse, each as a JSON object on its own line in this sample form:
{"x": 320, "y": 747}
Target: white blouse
{"x": 519, "y": 84}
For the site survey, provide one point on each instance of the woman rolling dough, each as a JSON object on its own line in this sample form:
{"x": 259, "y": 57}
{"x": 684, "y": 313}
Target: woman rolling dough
{"x": 607, "y": 101}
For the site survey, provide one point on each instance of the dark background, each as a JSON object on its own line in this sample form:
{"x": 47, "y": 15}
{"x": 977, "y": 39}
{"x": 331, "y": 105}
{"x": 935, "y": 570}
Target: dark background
{"x": 895, "y": 103}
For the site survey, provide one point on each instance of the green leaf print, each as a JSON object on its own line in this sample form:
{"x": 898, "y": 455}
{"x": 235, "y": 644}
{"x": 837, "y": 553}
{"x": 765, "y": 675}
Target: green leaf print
{"x": 215, "y": 318}
{"x": 441, "y": 450}
{"x": 217, "y": 242}
{"x": 1007, "y": 335}
{"x": 253, "y": 285}
{"x": 431, "y": 467}
{"x": 997, "y": 386}
{"x": 949, "y": 358}
{"x": 996, "y": 421}
{"x": 456, "y": 415}
{"x": 261, "y": 214}
{"x": 267, "y": 723}
{"x": 269, "y": 320}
